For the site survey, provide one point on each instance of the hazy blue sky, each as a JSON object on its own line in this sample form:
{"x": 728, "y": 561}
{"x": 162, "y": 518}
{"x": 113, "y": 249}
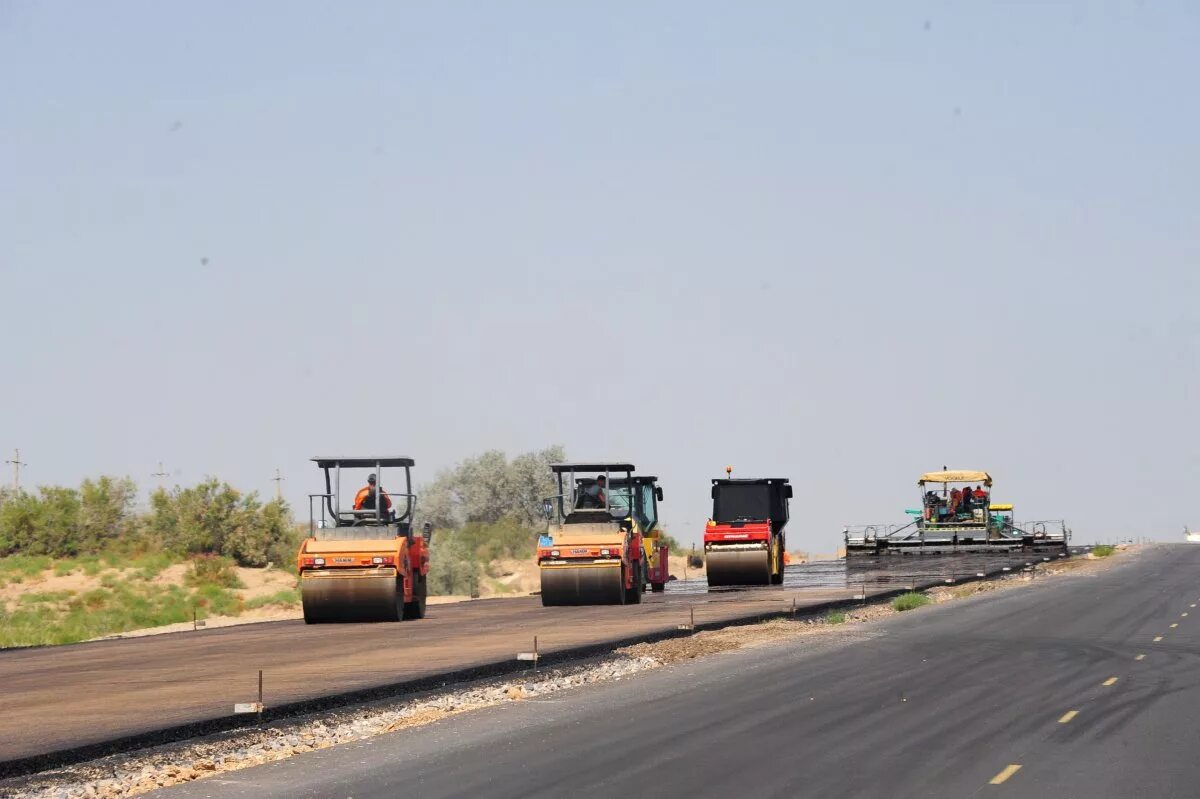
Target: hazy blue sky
{"x": 840, "y": 242}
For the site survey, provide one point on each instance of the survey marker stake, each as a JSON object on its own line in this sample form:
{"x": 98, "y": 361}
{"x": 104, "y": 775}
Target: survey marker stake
{"x": 691, "y": 625}
{"x": 530, "y": 656}
{"x": 252, "y": 707}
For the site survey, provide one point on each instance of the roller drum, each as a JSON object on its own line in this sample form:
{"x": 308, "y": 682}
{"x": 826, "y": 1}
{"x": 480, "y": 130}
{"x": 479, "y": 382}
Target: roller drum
{"x": 565, "y": 585}
{"x": 738, "y": 567}
{"x": 334, "y": 599}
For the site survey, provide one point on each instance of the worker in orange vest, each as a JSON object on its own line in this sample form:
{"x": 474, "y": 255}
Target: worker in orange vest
{"x": 365, "y": 498}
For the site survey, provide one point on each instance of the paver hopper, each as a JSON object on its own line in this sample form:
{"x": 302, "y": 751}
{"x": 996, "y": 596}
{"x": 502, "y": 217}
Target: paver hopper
{"x": 363, "y": 563}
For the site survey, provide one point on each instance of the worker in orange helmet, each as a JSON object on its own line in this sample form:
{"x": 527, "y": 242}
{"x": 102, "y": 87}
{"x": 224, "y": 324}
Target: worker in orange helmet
{"x": 365, "y": 498}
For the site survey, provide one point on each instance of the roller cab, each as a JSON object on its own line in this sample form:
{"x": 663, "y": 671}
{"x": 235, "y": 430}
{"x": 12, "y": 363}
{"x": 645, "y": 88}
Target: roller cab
{"x": 364, "y": 562}
{"x": 602, "y": 542}
{"x": 744, "y": 540}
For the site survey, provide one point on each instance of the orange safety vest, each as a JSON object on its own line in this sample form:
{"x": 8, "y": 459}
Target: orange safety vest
{"x": 365, "y": 492}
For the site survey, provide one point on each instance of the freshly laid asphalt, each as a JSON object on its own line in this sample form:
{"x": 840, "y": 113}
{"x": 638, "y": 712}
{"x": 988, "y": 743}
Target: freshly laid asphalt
{"x": 72, "y": 702}
{"x": 1037, "y": 692}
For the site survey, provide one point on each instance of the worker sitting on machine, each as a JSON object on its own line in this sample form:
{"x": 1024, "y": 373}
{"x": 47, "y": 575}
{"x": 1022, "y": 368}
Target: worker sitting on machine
{"x": 365, "y": 498}
{"x": 592, "y": 496}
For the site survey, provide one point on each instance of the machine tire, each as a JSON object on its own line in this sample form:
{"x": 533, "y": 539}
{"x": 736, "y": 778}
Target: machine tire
{"x": 416, "y": 609}
{"x": 633, "y": 596}
{"x": 658, "y": 588}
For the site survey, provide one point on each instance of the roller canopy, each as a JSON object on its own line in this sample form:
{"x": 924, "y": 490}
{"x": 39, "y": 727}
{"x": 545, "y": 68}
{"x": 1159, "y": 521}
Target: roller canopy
{"x": 591, "y": 466}
{"x": 363, "y": 463}
{"x": 637, "y": 480}
{"x": 956, "y": 477}
{"x": 994, "y": 506}
{"x": 755, "y": 499}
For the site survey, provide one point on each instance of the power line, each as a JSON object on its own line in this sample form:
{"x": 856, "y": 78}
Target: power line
{"x": 17, "y": 464}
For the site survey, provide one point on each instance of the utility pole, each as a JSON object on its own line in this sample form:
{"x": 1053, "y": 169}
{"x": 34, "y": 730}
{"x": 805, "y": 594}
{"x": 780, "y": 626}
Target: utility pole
{"x": 16, "y": 464}
{"x": 160, "y": 474}
{"x": 278, "y": 486}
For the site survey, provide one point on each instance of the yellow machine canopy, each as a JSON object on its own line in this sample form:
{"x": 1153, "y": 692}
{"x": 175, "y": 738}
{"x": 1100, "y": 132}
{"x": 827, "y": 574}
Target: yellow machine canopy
{"x": 1001, "y": 507}
{"x": 956, "y": 476}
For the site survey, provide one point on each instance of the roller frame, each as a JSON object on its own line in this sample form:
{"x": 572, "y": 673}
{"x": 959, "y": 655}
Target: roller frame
{"x": 731, "y": 567}
{"x": 583, "y": 585}
{"x": 330, "y": 597}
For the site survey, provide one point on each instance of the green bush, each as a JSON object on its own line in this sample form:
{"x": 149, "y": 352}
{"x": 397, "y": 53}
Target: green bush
{"x": 909, "y": 601}
{"x": 453, "y": 565}
{"x": 216, "y": 601}
{"x": 214, "y": 517}
{"x": 213, "y": 570}
{"x": 24, "y": 565}
{"x": 1103, "y": 550}
{"x": 150, "y": 564}
{"x": 503, "y": 539}
{"x": 105, "y": 516}
{"x": 45, "y": 523}
{"x": 675, "y": 548}
{"x": 288, "y": 597}
{"x": 282, "y": 551}
{"x": 835, "y": 617}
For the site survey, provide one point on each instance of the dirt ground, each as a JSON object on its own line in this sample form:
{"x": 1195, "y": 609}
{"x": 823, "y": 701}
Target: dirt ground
{"x": 138, "y": 773}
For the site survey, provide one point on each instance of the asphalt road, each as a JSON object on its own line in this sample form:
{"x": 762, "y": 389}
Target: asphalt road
{"x": 1027, "y": 693}
{"x": 85, "y": 695}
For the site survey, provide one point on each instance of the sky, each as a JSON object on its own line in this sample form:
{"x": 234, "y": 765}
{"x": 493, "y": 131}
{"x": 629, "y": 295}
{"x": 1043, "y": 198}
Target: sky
{"x": 843, "y": 243}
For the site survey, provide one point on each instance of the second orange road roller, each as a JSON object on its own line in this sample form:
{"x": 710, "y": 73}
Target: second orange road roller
{"x": 364, "y": 563}
{"x": 602, "y": 545}
{"x": 744, "y": 540}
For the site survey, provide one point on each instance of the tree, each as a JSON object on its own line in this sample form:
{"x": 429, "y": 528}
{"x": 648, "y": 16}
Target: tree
{"x": 106, "y": 512}
{"x": 489, "y": 488}
{"x": 214, "y": 517}
{"x": 46, "y": 523}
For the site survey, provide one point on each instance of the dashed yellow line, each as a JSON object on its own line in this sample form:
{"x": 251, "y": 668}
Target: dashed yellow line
{"x": 1110, "y": 681}
{"x": 1140, "y": 657}
{"x": 1008, "y": 771}
{"x": 1157, "y": 638}
{"x": 1070, "y": 714}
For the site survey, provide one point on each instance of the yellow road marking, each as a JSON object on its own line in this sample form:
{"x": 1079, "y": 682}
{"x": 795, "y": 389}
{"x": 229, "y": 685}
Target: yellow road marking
{"x": 1140, "y": 657}
{"x": 1157, "y": 638}
{"x": 1109, "y": 681}
{"x": 1009, "y": 770}
{"x": 1191, "y": 606}
{"x": 1173, "y": 626}
{"x": 1070, "y": 714}
{"x": 1183, "y": 615}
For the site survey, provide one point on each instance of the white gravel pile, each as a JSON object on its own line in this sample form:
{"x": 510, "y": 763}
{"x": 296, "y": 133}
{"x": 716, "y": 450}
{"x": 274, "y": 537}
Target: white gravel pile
{"x": 144, "y": 771}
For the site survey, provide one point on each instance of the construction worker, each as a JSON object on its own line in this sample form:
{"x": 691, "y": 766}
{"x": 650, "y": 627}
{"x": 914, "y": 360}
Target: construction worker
{"x": 365, "y": 498}
{"x": 593, "y": 495}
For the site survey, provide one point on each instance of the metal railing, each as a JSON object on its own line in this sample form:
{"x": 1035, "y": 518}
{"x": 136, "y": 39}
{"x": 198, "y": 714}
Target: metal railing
{"x": 1048, "y": 530}
{"x": 375, "y": 514}
{"x": 870, "y": 533}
